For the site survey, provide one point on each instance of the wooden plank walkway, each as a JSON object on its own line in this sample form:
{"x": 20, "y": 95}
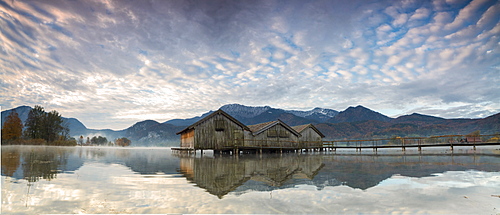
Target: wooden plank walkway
{"x": 419, "y": 147}
{"x": 415, "y": 142}
{"x": 183, "y": 150}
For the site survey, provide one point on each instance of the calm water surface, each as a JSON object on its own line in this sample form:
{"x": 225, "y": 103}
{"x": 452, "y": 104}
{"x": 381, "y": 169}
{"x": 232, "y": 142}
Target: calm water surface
{"x": 55, "y": 180}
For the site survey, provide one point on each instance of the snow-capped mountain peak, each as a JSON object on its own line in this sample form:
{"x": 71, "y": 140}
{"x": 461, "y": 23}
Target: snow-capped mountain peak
{"x": 316, "y": 112}
{"x": 242, "y": 111}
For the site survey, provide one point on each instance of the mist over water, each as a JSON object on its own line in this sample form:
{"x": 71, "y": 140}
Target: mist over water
{"x": 42, "y": 179}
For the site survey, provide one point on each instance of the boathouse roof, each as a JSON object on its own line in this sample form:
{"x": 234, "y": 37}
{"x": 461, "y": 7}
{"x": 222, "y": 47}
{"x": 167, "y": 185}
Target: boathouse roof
{"x": 221, "y": 112}
{"x": 300, "y": 128}
{"x": 259, "y": 128}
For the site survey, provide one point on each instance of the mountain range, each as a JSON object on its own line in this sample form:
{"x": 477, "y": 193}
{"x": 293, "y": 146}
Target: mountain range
{"x": 352, "y": 123}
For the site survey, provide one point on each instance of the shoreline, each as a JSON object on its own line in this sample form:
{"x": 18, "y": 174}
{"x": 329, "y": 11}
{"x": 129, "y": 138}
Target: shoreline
{"x": 435, "y": 151}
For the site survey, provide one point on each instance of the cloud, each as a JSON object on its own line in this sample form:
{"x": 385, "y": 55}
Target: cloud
{"x": 470, "y": 12}
{"x": 121, "y": 59}
{"x": 420, "y": 13}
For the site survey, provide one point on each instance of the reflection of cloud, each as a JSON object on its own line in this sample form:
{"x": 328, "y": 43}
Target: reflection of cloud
{"x": 112, "y": 188}
{"x": 100, "y": 57}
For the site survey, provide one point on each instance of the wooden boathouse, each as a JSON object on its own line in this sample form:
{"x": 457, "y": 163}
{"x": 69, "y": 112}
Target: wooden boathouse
{"x": 273, "y": 134}
{"x": 310, "y": 136}
{"x": 217, "y": 131}
{"x": 221, "y": 132}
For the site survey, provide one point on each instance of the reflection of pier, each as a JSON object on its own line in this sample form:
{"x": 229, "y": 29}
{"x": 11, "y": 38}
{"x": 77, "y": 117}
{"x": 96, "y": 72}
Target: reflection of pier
{"x": 368, "y": 170}
{"x": 221, "y": 175}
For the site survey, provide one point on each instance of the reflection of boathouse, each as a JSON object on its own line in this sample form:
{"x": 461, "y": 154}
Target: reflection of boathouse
{"x": 221, "y": 175}
{"x": 221, "y": 132}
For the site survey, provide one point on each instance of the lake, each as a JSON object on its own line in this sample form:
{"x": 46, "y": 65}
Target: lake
{"x": 95, "y": 180}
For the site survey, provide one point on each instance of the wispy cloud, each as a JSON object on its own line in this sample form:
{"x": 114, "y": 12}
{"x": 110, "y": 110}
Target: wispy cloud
{"x": 133, "y": 60}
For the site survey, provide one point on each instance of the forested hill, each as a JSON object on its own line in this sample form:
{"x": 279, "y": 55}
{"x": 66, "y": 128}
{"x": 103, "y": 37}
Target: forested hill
{"x": 410, "y": 125}
{"x": 352, "y": 123}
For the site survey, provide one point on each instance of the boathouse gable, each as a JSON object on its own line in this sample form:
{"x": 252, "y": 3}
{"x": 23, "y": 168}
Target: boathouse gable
{"x": 310, "y": 136}
{"x": 273, "y": 134}
{"x": 216, "y": 131}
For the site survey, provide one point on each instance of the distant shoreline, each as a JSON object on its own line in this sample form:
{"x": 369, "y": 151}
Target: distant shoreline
{"x": 435, "y": 151}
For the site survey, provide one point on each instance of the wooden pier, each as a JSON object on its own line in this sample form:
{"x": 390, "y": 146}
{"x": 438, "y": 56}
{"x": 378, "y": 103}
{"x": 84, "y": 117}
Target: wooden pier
{"x": 415, "y": 142}
{"x": 403, "y": 143}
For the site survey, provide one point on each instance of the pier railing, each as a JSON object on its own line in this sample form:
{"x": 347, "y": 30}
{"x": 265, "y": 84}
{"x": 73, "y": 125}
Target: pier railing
{"x": 416, "y": 142}
{"x": 395, "y": 142}
{"x": 282, "y": 144}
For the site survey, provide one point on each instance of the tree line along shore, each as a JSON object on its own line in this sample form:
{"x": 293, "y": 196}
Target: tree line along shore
{"x": 47, "y": 128}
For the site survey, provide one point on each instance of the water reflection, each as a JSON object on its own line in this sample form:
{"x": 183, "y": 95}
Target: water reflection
{"x": 364, "y": 172}
{"x": 71, "y": 180}
{"x": 41, "y": 162}
{"x": 36, "y": 163}
{"x": 221, "y": 175}
{"x": 10, "y": 162}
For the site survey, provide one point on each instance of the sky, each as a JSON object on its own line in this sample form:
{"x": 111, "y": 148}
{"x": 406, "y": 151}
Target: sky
{"x": 113, "y": 63}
